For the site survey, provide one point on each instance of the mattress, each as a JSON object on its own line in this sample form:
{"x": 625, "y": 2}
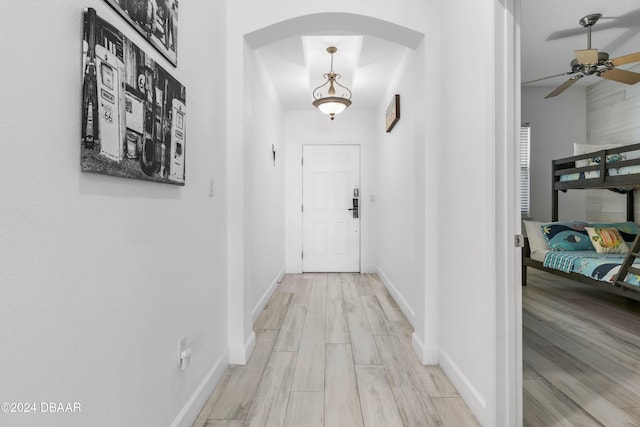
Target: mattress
{"x": 539, "y": 255}
{"x": 603, "y": 267}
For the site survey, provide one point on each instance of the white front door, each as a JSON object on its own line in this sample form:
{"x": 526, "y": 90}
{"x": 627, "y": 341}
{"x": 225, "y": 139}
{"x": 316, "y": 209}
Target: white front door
{"x": 330, "y": 197}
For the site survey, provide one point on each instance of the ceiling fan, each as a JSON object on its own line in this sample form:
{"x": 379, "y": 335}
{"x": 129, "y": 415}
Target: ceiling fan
{"x": 589, "y": 61}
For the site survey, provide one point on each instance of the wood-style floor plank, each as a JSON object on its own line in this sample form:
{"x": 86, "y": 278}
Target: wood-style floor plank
{"x": 318, "y": 299}
{"x": 274, "y": 312}
{"x": 305, "y": 408}
{"x": 291, "y": 330}
{"x": 379, "y": 407}
{"x": 435, "y": 382}
{"x": 269, "y": 406}
{"x": 389, "y": 306}
{"x": 362, "y": 285}
{"x": 528, "y": 373}
{"x": 581, "y": 352}
{"x": 334, "y": 286}
{"x": 364, "y": 347}
{"x": 580, "y": 324}
{"x": 236, "y": 399}
{"x": 608, "y": 360}
{"x": 309, "y": 372}
{"x": 454, "y": 412}
{"x": 391, "y": 353}
{"x": 349, "y": 290}
{"x": 296, "y": 378}
{"x": 403, "y": 330}
{"x": 213, "y": 400}
{"x": 414, "y": 404}
{"x": 610, "y": 389}
{"x": 535, "y": 414}
{"x": 593, "y": 403}
{"x": 224, "y": 423}
{"x": 341, "y": 399}
{"x": 563, "y": 410}
{"x": 378, "y": 322}
{"x": 337, "y": 331}
{"x": 634, "y": 412}
{"x": 301, "y": 290}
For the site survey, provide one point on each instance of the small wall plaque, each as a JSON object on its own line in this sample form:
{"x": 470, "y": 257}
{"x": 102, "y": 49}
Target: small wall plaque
{"x": 393, "y": 113}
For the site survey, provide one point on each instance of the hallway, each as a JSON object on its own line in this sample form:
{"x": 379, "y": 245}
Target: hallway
{"x": 333, "y": 350}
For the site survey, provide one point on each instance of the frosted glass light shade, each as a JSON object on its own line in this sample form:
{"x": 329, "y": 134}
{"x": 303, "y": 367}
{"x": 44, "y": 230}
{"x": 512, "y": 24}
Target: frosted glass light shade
{"x": 331, "y": 105}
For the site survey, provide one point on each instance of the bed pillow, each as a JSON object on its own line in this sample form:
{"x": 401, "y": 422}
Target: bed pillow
{"x": 628, "y": 229}
{"x": 533, "y": 230}
{"x": 607, "y": 240}
{"x": 567, "y": 236}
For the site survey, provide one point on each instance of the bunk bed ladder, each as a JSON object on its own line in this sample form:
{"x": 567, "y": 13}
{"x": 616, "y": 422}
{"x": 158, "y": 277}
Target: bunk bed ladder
{"x": 627, "y": 266}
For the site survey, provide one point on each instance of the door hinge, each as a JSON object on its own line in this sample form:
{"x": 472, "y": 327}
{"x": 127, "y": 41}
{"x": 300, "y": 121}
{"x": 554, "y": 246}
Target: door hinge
{"x": 519, "y": 241}
{"x": 302, "y": 161}
{"x": 302, "y": 208}
{"x": 302, "y": 255}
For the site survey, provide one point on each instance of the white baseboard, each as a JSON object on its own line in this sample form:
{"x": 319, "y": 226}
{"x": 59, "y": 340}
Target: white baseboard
{"x": 402, "y": 303}
{"x": 370, "y": 269}
{"x": 192, "y": 408}
{"x": 428, "y": 356}
{"x": 465, "y": 388}
{"x": 240, "y": 356}
{"x": 265, "y": 297}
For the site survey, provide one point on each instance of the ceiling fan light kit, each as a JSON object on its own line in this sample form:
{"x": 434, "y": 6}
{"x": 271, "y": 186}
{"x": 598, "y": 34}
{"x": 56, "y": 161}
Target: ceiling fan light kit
{"x": 328, "y": 103}
{"x": 590, "y": 61}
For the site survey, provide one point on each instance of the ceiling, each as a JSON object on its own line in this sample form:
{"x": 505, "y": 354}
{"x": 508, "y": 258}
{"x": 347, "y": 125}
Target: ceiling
{"x": 550, "y": 33}
{"x": 296, "y": 66}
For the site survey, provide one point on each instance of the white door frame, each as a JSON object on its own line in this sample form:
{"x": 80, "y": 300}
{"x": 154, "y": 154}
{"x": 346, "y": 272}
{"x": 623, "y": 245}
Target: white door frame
{"x": 357, "y": 238}
{"x": 508, "y": 292}
{"x": 363, "y": 201}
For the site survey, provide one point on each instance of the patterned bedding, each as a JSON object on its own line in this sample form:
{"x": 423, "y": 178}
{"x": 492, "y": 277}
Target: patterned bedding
{"x": 625, "y": 170}
{"x": 597, "y": 266}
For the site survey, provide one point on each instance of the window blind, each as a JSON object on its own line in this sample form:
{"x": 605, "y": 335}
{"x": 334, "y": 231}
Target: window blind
{"x": 525, "y": 178}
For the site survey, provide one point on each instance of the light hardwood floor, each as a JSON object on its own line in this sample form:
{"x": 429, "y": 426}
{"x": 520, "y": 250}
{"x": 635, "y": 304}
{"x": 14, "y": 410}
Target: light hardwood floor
{"x": 333, "y": 350}
{"x": 581, "y": 350}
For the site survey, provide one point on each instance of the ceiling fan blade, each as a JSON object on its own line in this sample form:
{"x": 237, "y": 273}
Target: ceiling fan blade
{"x": 621, "y": 76}
{"x": 626, "y": 59}
{"x": 548, "y": 77}
{"x": 561, "y": 34}
{"x": 587, "y": 56}
{"x": 564, "y": 86}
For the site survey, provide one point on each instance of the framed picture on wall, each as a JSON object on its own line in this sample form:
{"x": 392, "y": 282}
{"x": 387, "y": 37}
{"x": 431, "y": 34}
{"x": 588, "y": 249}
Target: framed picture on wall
{"x": 133, "y": 110}
{"x": 393, "y": 113}
{"x": 156, "y": 20}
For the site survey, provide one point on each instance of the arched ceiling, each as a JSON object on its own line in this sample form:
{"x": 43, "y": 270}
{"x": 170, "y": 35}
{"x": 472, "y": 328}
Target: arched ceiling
{"x": 295, "y": 57}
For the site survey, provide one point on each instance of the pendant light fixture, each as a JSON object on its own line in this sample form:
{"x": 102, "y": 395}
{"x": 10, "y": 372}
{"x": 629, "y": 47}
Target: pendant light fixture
{"x": 329, "y": 103}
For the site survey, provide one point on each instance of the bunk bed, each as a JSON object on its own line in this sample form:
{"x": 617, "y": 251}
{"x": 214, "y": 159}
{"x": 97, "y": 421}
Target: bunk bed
{"x": 616, "y": 169}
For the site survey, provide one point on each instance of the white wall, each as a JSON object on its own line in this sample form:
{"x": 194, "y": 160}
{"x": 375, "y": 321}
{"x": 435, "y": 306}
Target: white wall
{"x": 101, "y": 276}
{"x": 556, "y": 123}
{"x": 467, "y": 199}
{"x": 264, "y": 188}
{"x": 399, "y": 228}
{"x": 355, "y": 127}
{"x": 613, "y": 117}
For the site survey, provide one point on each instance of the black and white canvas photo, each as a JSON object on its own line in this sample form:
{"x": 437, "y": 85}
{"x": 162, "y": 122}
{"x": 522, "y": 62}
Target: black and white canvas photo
{"x": 156, "y": 20}
{"x": 133, "y": 110}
